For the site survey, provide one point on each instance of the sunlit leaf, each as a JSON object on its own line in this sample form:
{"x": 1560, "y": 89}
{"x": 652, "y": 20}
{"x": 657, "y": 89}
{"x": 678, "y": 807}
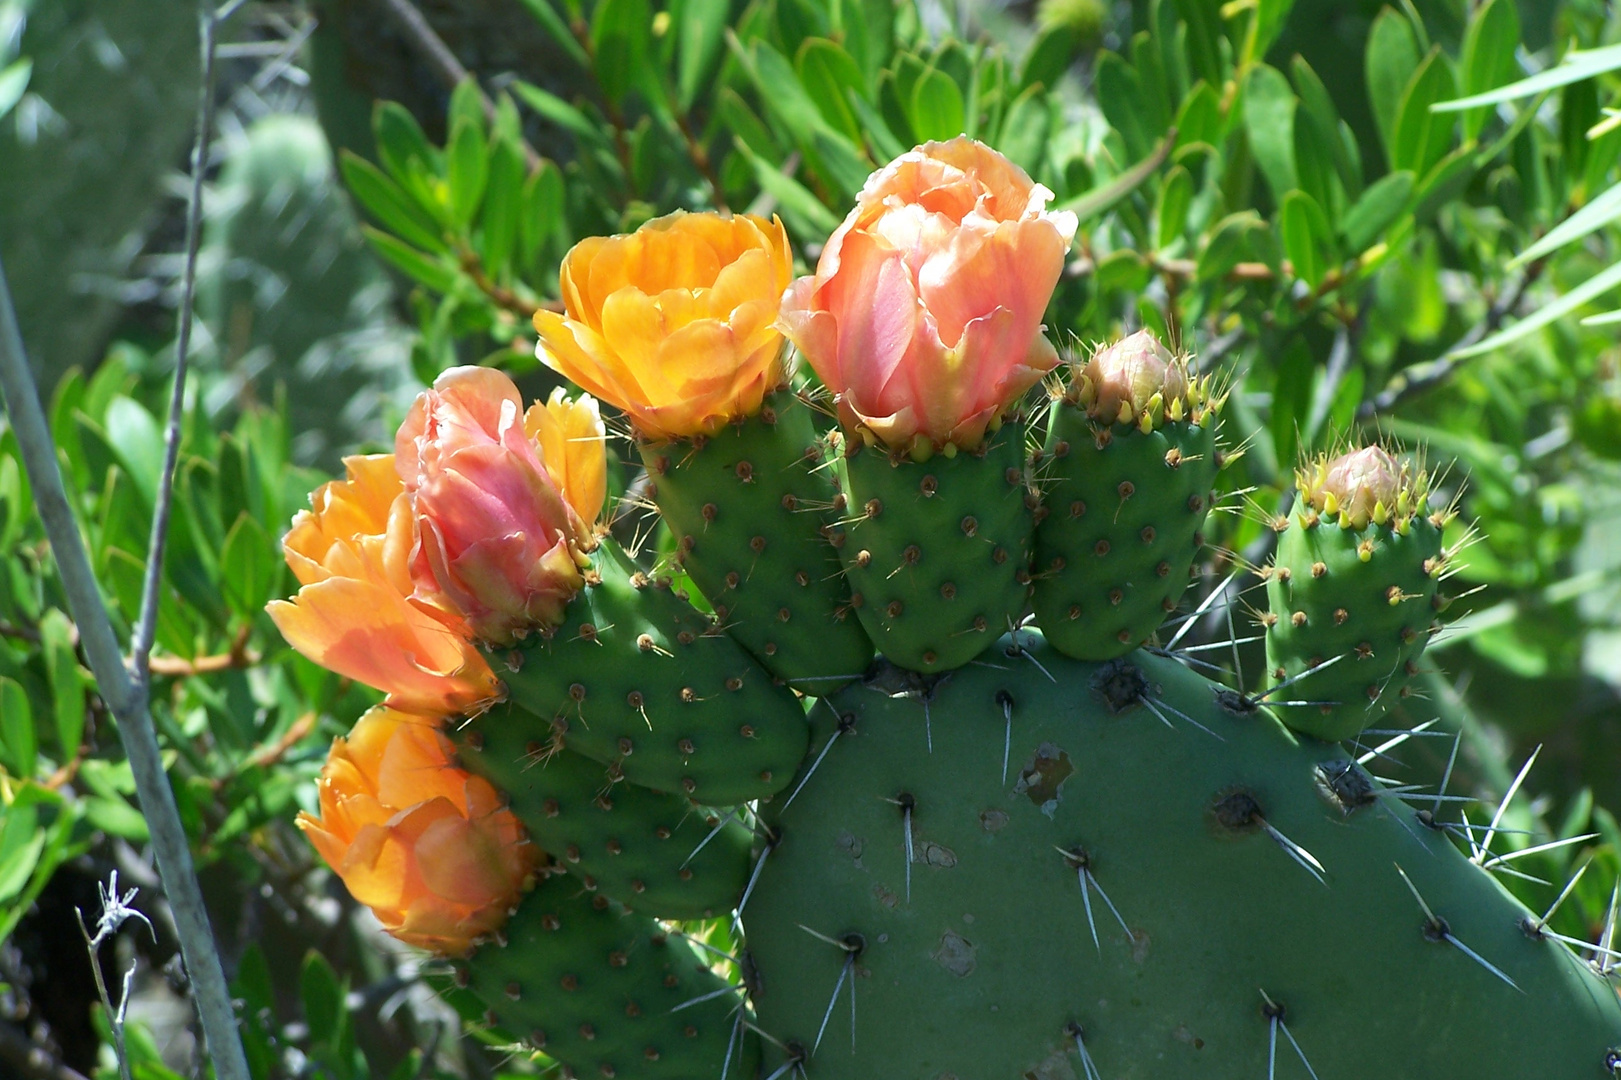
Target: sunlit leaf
{"x": 1556, "y": 309}
{"x": 1577, "y": 65}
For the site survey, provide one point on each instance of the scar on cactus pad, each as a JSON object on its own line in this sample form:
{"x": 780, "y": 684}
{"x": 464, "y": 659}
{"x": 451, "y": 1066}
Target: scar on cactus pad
{"x": 1354, "y": 590}
{"x": 1126, "y": 472}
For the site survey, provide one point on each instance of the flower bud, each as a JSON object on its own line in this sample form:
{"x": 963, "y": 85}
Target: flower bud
{"x": 424, "y": 844}
{"x": 496, "y": 536}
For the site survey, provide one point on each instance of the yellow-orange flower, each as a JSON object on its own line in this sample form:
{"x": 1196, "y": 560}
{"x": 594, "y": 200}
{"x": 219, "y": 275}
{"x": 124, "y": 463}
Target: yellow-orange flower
{"x": 571, "y": 438}
{"x": 359, "y": 612}
{"x": 426, "y": 845}
{"x": 674, "y": 323}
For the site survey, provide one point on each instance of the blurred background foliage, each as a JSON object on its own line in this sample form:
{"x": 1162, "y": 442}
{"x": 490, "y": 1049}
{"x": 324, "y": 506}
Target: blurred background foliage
{"x": 392, "y": 185}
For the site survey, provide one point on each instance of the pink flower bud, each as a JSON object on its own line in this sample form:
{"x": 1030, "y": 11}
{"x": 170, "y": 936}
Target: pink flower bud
{"x": 498, "y": 538}
{"x": 1130, "y": 373}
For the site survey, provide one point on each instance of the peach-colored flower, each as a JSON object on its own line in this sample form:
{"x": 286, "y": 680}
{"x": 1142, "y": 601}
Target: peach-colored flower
{"x": 571, "y": 438}
{"x": 674, "y": 323}
{"x": 924, "y": 314}
{"x": 426, "y": 845}
{"x": 359, "y": 612}
{"x": 496, "y": 535}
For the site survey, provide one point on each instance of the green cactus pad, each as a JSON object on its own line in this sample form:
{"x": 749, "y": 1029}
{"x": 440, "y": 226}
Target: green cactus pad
{"x": 639, "y": 680}
{"x": 938, "y": 551}
{"x": 748, "y": 507}
{"x": 970, "y": 952}
{"x": 593, "y": 985}
{"x": 1120, "y": 520}
{"x": 1326, "y": 600}
{"x": 631, "y": 843}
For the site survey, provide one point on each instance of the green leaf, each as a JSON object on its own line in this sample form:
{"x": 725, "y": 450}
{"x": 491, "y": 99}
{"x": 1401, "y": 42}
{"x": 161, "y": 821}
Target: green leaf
{"x": 1119, "y": 95}
{"x": 884, "y": 144}
{"x": 937, "y": 107}
{"x": 620, "y": 30}
{"x": 701, "y": 33}
{"x": 1291, "y": 398}
{"x": 19, "y": 747}
{"x": 1200, "y": 120}
{"x": 1591, "y": 289}
{"x": 57, "y": 638}
{"x": 1308, "y": 239}
{"x": 1489, "y": 46}
{"x": 326, "y": 1013}
{"x": 389, "y": 204}
{"x": 503, "y": 206}
{"x": 419, "y": 267}
{"x": 797, "y": 202}
{"x": 466, "y": 105}
{"x": 557, "y": 29}
{"x": 1319, "y": 105}
{"x": 1122, "y": 270}
{"x": 21, "y": 842}
{"x": 248, "y": 566}
{"x": 780, "y": 88}
{"x": 1270, "y": 15}
{"x": 1175, "y": 196}
{"x": 542, "y": 215}
{"x": 1204, "y": 47}
{"x": 1376, "y": 211}
{"x": 829, "y": 75}
{"x": 1269, "y": 117}
{"x": 402, "y": 148}
{"x": 1577, "y": 65}
{"x": 1050, "y": 55}
{"x": 549, "y": 106}
{"x": 1228, "y": 244}
{"x": 469, "y": 172}
{"x": 1392, "y": 57}
{"x": 1608, "y": 318}
{"x": 1024, "y": 132}
{"x": 138, "y": 443}
{"x": 1421, "y": 138}
{"x": 14, "y": 83}
{"x": 1314, "y": 162}
{"x": 1595, "y": 215}
{"x": 837, "y": 160}
{"x": 117, "y": 817}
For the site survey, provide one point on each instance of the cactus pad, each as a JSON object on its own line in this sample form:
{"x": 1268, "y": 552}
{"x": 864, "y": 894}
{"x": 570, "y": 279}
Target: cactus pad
{"x": 631, "y": 843}
{"x": 747, "y": 506}
{"x": 938, "y": 551}
{"x": 594, "y": 986}
{"x": 1352, "y": 595}
{"x": 1137, "y": 899}
{"x": 639, "y": 680}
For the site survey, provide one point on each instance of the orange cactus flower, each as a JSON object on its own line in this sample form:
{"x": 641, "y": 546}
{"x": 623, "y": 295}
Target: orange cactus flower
{"x": 360, "y": 613}
{"x": 426, "y": 845}
{"x": 572, "y": 445}
{"x": 924, "y": 314}
{"x": 497, "y": 536}
{"x": 674, "y": 323}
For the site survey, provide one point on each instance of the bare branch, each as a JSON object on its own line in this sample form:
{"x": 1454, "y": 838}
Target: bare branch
{"x": 126, "y": 698}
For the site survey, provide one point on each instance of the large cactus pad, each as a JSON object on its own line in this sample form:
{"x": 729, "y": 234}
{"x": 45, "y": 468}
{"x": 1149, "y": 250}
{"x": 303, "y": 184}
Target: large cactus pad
{"x": 1153, "y": 900}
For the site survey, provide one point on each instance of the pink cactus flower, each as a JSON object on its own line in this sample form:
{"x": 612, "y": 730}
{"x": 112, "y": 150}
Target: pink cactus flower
{"x": 497, "y": 537}
{"x": 924, "y": 314}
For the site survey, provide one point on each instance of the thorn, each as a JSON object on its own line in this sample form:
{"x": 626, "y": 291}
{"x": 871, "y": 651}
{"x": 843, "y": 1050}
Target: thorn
{"x": 1204, "y": 605}
{"x": 712, "y": 834}
{"x": 737, "y": 917}
{"x": 1446, "y": 777}
{"x": 1437, "y": 930}
{"x": 1380, "y": 750}
{"x": 1502, "y": 808}
{"x": 845, "y": 724}
{"x": 1295, "y": 851}
{"x": 1498, "y": 860}
{"x": 844, "y": 973}
{"x": 1560, "y": 899}
{"x": 1291, "y": 680}
{"x": 1007, "y": 740}
{"x": 1087, "y": 1066}
{"x": 1154, "y": 706}
{"x": 731, "y": 1041}
{"x": 712, "y": 995}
